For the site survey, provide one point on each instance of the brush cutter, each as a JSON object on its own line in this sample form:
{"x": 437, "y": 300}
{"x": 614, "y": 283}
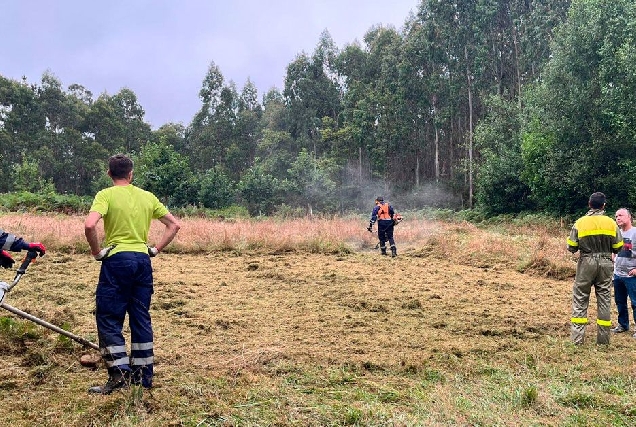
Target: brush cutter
{"x": 85, "y": 360}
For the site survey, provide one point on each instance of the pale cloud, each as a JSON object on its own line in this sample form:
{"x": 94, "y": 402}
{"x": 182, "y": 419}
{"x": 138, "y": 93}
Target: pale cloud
{"x": 161, "y": 49}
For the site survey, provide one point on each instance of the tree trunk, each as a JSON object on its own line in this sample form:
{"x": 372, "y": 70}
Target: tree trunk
{"x": 436, "y": 154}
{"x": 470, "y": 131}
{"x": 436, "y": 159}
{"x": 417, "y": 170}
{"x": 359, "y": 165}
{"x": 516, "y": 45}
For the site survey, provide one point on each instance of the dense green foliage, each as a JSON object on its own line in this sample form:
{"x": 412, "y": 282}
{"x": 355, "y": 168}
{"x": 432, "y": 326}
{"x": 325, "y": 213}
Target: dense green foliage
{"x": 579, "y": 129}
{"x": 44, "y": 202}
{"x": 509, "y": 106}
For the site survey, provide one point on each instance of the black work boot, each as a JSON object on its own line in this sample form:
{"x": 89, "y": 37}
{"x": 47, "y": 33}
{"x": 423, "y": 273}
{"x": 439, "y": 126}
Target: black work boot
{"x": 383, "y": 250}
{"x": 139, "y": 376}
{"x": 393, "y": 251}
{"x": 115, "y": 381}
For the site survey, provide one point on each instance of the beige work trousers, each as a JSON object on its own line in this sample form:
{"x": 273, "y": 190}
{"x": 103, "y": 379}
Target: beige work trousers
{"x": 592, "y": 270}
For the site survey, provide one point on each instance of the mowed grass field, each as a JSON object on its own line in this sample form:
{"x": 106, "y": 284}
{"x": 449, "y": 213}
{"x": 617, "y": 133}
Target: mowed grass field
{"x": 302, "y": 322}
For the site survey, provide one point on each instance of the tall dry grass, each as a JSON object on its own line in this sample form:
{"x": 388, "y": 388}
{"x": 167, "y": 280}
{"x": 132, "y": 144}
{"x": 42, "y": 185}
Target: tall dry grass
{"x": 538, "y": 248}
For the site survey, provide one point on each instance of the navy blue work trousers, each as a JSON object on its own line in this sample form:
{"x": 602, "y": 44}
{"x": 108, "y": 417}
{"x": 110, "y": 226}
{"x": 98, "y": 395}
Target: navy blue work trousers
{"x": 125, "y": 287}
{"x": 385, "y": 232}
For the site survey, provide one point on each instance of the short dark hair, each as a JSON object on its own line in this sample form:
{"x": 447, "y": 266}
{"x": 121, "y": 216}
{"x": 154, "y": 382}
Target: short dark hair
{"x": 119, "y": 166}
{"x": 380, "y": 199}
{"x": 597, "y": 200}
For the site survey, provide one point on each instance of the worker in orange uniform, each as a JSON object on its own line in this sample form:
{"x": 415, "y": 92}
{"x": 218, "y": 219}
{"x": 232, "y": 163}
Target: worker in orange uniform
{"x": 384, "y": 214}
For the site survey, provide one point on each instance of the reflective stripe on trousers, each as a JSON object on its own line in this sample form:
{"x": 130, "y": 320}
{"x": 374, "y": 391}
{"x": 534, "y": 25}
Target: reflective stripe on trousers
{"x": 591, "y": 271}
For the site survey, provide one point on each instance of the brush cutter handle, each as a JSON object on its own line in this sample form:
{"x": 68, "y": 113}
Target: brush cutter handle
{"x": 30, "y": 256}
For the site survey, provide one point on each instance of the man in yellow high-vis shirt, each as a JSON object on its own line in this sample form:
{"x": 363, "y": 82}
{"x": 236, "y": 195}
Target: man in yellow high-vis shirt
{"x": 125, "y": 283}
{"x": 596, "y": 236}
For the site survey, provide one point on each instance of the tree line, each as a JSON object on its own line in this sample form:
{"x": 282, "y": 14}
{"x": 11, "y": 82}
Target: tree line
{"x": 502, "y": 105}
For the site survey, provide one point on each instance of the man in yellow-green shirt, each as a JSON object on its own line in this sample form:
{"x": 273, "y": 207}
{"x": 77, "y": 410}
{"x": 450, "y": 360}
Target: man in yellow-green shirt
{"x": 125, "y": 283}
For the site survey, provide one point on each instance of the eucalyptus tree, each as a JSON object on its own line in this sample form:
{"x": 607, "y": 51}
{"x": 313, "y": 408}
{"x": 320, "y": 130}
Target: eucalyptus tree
{"x": 357, "y": 127}
{"x": 80, "y": 93}
{"x": 52, "y": 100}
{"x": 117, "y": 122}
{"x": 369, "y": 143}
{"x": 21, "y": 117}
{"x": 424, "y": 75}
{"x": 274, "y": 153}
{"x": 535, "y": 29}
{"x": 53, "y": 149}
{"x": 311, "y": 93}
{"x": 171, "y": 134}
{"x": 223, "y": 127}
{"x": 210, "y": 95}
{"x": 248, "y": 130}
{"x": 223, "y": 134}
{"x": 6, "y": 136}
{"x": 136, "y": 132}
{"x": 385, "y": 102}
{"x": 201, "y": 133}
{"x": 215, "y": 189}
{"x": 455, "y": 56}
{"x": 87, "y": 159}
{"x": 259, "y": 191}
{"x": 439, "y": 76}
{"x": 519, "y": 50}
{"x": 274, "y": 113}
{"x": 46, "y": 128}
{"x": 69, "y": 155}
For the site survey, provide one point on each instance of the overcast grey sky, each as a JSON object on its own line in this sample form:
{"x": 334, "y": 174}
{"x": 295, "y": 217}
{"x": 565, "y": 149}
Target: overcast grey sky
{"x": 161, "y": 49}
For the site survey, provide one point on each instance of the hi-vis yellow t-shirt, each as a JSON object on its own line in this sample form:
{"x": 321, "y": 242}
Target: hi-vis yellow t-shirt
{"x": 127, "y": 212}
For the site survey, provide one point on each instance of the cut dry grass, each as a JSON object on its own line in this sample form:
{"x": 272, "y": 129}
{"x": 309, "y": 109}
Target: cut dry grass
{"x": 304, "y": 323}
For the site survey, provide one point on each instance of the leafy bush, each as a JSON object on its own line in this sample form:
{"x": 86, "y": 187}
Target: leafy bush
{"x": 259, "y": 192}
{"x": 50, "y": 202}
{"x": 215, "y": 189}
{"x": 233, "y": 211}
{"x": 285, "y": 211}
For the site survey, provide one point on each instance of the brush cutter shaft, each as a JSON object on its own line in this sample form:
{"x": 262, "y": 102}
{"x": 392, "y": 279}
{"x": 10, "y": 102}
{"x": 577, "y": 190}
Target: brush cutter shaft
{"x": 50, "y": 326}
{"x": 15, "y": 281}
{"x": 31, "y": 255}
